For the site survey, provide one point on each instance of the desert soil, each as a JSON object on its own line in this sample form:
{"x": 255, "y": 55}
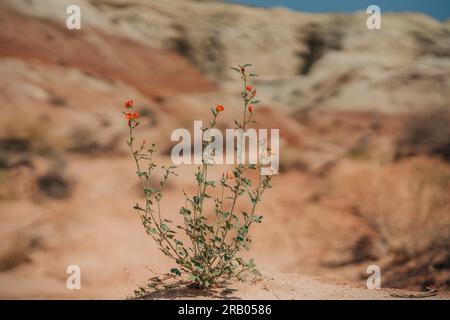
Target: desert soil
{"x": 281, "y": 286}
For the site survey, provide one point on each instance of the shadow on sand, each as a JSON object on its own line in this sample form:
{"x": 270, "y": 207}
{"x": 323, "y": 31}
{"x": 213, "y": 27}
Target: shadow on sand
{"x": 184, "y": 290}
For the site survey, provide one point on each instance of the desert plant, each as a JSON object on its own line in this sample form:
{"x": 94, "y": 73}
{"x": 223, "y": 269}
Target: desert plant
{"x": 212, "y": 257}
{"x": 406, "y": 203}
{"x": 426, "y": 133}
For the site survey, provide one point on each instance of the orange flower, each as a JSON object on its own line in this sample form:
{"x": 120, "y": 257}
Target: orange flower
{"x": 132, "y": 116}
{"x": 249, "y": 88}
{"x": 229, "y": 175}
{"x": 254, "y": 93}
{"x": 129, "y": 104}
{"x": 250, "y": 108}
{"x": 219, "y": 108}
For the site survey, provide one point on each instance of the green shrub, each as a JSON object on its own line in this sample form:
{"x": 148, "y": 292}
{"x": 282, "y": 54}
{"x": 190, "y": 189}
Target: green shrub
{"x": 212, "y": 256}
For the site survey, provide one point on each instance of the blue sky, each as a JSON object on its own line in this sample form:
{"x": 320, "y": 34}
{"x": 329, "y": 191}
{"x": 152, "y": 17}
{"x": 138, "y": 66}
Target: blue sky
{"x": 439, "y": 9}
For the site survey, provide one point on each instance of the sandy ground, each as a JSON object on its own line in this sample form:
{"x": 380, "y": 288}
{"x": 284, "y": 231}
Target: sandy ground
{"x": 279, "y": 286}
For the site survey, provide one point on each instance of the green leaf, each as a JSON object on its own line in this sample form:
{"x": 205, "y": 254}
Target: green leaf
{"x": 246, "y": 181}
{"x": 199, "y": 177}
{"x": 175, "y": 271}
{"x": 257, "y": 219}
{"x": 193, "y": 277}
{"x": 196, "y": 200}
{"x": 210, "y": 183}
{"x": 185, "y": 212}
{"x": 141, "y": 173}
{"x": 148, "y": 191}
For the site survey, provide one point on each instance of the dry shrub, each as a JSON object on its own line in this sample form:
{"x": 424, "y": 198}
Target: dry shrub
{"x": 426, "y": 133}
{"x": 291, "y": 159}
{"x": 407, "y": 203}
{"x": 35, "y": 133}
{"x": 44, "y": 134}
{"x": 16, "y": 251}
{"x": 54, "y": 185}
{"x": 84, "y": 140}
{"x": 13, "y": 152}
